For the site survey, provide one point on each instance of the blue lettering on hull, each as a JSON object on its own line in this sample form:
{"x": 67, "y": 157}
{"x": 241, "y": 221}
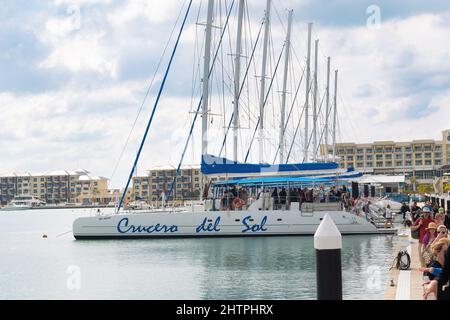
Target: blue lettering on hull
{"x": 206, "y": 226}
{"x": 254, "y": 227}
{"x": 123, "y": 227}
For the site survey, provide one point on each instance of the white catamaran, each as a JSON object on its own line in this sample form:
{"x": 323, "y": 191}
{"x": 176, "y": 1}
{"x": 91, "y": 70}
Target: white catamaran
{"x": 247, "y": 203}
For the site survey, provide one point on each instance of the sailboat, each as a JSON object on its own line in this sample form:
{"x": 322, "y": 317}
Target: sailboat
{"x": 245, "y": 203}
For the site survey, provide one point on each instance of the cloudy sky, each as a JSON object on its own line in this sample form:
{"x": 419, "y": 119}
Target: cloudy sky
{"x": 73, "y": 75}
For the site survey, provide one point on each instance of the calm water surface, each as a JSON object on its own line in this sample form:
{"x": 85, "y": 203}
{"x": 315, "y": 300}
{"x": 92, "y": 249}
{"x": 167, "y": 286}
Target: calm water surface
{"x": 32, "y": 267}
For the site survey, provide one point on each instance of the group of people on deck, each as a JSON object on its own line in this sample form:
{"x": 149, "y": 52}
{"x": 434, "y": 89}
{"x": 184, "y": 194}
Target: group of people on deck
{"x": 236, "y": 198}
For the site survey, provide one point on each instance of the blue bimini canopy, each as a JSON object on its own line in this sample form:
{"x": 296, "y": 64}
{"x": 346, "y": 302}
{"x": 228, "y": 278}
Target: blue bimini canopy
{"x": 289, "y": 181}
{"x": 212, "y": 165}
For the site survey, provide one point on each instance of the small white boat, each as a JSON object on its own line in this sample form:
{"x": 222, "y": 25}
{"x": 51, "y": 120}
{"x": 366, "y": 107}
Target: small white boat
{"x": 24, "y": 202}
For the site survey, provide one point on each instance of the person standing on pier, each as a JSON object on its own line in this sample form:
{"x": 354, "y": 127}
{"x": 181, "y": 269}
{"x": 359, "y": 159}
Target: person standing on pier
{"x": 388, "y": 218}
{"x": 415, "y": 210}
{"x": 422, "y": 223}
{"x": 404, "y": 210}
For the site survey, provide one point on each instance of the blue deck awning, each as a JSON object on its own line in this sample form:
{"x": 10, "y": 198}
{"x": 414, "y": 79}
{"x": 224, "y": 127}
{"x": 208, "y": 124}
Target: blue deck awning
{"x": 216, "y": 165}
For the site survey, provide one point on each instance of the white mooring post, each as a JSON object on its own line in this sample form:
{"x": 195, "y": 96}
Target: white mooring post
{"x": 328, "y": 245}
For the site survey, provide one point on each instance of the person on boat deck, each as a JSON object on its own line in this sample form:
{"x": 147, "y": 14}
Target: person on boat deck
{"x": 332, "y": 195}
{"x": 422, "y": 223}
{"x": 243, "y": 195}
{"x": 309, "y": 195}
{"x": 440, "y": 286}
{"x": 338, "y": 195}
{"x": 347, "y": 202}
{"x": 283, "y": 196}
{"x": 301, "y": 195}
{"x": 228, "y": 199}
{"x": 321, "y": 195}
{"x": 293, "y": 195}
{"x": 234, "y": 192}
{"x": 276, "y": 199}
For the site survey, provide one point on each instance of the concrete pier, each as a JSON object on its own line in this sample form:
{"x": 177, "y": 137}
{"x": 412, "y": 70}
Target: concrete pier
{"x": 406, "y": 284}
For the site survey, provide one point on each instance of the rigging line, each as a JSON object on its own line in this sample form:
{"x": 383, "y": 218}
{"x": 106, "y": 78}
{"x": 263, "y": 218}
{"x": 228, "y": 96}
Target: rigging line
{"x": 155, "y": 105}
{"x": 323, "y": 129}
{"x": 296, "y": 129}
{"x": 348, "y": 117}
{"x": 265, "y": 101}
{"x": 196, "y": 66}
{"x": 242, "y": 87}
{"x": 147, "y": 93}
{"x": 290, "y": 113}
{"x": 200, "y": 103}
{"x": 223, "y": 105}
{"x": 255, "y": 117}
{"x": 310, "y": 137}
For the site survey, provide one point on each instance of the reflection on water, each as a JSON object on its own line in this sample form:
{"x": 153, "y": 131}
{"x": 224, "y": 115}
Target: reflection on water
{"x": 219, "y": 268}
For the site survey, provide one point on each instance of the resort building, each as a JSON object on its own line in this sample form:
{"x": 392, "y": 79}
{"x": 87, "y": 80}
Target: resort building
{"x": 188, "y": 184}
{"x": 55, "y": 187}
{"x": 419, "y": 160}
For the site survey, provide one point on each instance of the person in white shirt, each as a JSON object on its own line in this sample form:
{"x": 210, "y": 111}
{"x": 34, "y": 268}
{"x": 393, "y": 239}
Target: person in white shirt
{"x": 388, "y": 217}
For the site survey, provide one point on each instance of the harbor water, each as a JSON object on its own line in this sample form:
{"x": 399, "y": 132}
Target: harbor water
{"x": 59, "y": 267}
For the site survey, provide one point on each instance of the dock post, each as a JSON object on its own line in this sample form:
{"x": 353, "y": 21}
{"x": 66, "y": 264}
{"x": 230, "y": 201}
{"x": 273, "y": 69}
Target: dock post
{"x": 328, "y": 245}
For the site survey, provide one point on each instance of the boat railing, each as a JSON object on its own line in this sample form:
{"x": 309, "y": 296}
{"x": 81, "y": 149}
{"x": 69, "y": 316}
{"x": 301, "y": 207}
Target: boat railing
{"x": 320, "y": 206}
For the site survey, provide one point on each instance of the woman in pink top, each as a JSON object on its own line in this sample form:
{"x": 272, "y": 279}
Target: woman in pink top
{"x": 422, "y": 224}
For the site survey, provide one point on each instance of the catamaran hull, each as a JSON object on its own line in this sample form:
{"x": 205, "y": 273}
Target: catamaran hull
{"x": 216, "y": 224}
{"x": 16, "y": 208}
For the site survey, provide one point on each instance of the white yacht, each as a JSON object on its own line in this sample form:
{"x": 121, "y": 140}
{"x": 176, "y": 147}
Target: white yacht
{"x": 24, "y": 202}
{"x": 257, "y": 215}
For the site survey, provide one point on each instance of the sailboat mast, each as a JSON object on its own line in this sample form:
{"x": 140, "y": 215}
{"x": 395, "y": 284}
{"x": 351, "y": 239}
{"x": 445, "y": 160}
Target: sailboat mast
{"x": 263, "y": 81}
{"x": 335, "y": 114}
{"x": 206, "y": 66}
{"x": 284, "y": 93}
{"x": 237, "y": 80}
{"x": 327, "y": 112}
{"x": 308, "y": 74}
{"x": 316, "y": 49}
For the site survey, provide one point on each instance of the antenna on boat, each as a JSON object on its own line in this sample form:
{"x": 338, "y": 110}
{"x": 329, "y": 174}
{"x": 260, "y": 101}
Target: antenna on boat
{"x": 327, "y": 110}
{"x": 308, "y": 74}
{"x": 237, "y": 80}
{"x": 207, "y": 59}
{"x": 335, "y": 114}
{"x": 284, "y": 92}
{"x": 263, "y": 81}
{"x": 316, "y": 49}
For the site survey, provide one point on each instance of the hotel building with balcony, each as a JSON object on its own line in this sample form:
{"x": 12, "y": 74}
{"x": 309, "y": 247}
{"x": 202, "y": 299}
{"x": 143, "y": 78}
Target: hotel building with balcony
{"x": 421, "y": 159}
{"x": 188, "y": 184}
{"x": 55, "y": 187}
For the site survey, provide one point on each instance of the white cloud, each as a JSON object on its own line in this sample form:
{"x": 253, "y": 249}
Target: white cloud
{"x": 151, "y": 10}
